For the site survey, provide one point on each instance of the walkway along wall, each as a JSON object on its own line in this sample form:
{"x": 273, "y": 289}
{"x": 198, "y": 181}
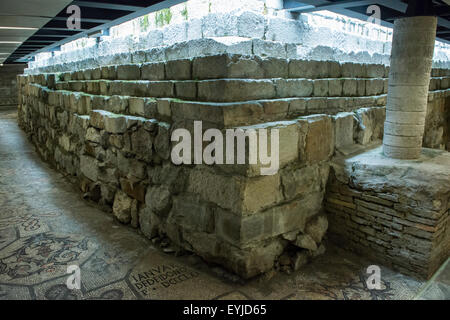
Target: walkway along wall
{"x": 109, "y": 128}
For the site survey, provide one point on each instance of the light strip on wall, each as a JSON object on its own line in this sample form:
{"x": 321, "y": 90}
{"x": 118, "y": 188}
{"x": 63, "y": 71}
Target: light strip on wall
{"x": 10, "y": 42}
{"x": 18, "y": 28}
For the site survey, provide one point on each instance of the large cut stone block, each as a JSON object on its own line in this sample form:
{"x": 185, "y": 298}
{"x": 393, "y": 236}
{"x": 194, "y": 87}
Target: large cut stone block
{"x": 128, "y": 72}
{"x": 178, "y": 69}
{"x": 210, "y": 67}
{"x": 153, "y": 71}
{"x": 294, "y": 88}
{"x": 343, "y": 124}
{"x": 319, "y": 139}
{"x": 235, "y": 90}
{"x": 309, "y": 69}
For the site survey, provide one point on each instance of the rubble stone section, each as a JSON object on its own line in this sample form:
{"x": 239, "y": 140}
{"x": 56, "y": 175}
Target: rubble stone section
{"x": 394, "y": 211}
{"x": 109, "y": 129}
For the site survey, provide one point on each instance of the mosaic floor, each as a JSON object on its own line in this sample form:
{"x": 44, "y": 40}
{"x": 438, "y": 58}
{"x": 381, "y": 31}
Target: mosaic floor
{"x": 46, "y": 226}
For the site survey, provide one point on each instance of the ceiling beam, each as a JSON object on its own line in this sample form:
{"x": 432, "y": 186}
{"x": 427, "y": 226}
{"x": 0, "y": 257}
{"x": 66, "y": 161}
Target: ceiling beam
{"x": 49, "y": 36}
{"x": 83, "y": 20}
{"x": 291, "y": 5}
{"x": 63, "y": 29}
{"x": 111, "y": 6}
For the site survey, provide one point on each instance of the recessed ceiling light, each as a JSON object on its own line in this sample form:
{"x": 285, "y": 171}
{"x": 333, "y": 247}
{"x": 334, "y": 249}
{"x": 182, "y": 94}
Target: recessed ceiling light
{"x": 19, "y": 28}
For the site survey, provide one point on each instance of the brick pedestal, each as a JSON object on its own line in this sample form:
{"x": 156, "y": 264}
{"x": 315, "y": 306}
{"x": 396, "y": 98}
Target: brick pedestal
{"x": 394, "y": 211}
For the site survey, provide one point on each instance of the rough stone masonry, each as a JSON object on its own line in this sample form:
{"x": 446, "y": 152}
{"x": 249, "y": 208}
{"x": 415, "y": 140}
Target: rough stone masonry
{"x": 109, "y": 128}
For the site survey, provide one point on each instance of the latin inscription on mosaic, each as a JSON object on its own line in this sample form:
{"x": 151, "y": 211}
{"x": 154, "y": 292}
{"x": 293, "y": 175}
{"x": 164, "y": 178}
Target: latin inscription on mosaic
{"x": 161, "y": 277}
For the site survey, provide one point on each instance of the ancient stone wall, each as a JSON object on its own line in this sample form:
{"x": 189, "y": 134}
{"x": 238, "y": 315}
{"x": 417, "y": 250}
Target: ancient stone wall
{"x": 276, "y": 33}
{"x": 8, "y": 84}
{"x": 109, "y": 127}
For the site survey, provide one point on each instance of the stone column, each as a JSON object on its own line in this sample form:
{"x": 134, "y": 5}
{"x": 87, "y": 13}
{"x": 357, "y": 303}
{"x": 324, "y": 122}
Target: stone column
{"x": 409, "y": 77}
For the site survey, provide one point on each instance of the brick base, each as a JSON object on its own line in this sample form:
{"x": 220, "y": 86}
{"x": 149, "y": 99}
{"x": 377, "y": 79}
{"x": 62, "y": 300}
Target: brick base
{"x": 396, "y": 212}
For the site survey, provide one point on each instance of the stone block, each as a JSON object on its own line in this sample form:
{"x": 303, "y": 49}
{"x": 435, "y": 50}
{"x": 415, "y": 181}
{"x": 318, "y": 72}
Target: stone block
{"x": 138, "y": 57}
{"x": 149, "y": 223}
{"x": 193, "y": 214}
{"x": 128, "y": 72}
{"x": 122, "y": 207}
{"x": 275, "y": 68}
{"x": 320, "y": 88}
{"x": 343, "y": 125}
{"x": 224, "y": 191}
{"x": 276, "y": 106}
{"x": 306, "y": 242}
{"x": 334, "y": 69}
{"x": 89, "y": 167}
{"x": 153, "y": 71}
{"x": 360, "y": 87}
{"x": 220, "y": 25}
{"x": 285, "y": 30}
{"x": 319, "y": 139}
{"x": 293, "y": 88}
{"x": 178, "y": 69}
{"x": 375, "y": 71}
{"x": 299, "y": 182}
{"x": 186, "y": 90}
{"x": 244, "y": 67}
{"x": 264, "y": 48}
{"x": 235, "y": 90}
{"x": 194, "y": 29}
{"x": 370, "y": 124}
{"x": 141, "y": 144}
{"x": 97, "y": 118}
{"x": 317, "y": 227}
{"x": 374, "y": 87}
{"x": 309, "y": 69}
{"x": 160, "y": 89}
{"x": 335, "y": 88}
{"x": 115, "y": 123}
{"x": 153, "y": 38}
{"x": 353, "y": 70}
{"x": 144, "y": 107}
{"x": 210, "y": 67}
{"x": 93, "y": 135}
{"x": 250, "y": 25}
{"x": 117, "y": 104}
{"x": 133, "y": 188}
{"x": 158, "y": 199}
{"x": 162, "y": 141}
{"x": 131, "y": 167}
{"x": 243, "y": 231}
{"x": 260, "y": 193}
{"x": 163, "y": 107}
{"x": 297, "y": 106}
{"x": 174, "y": 33}
{"x": 109, "y": 72}
{"x": 349, "y": 87}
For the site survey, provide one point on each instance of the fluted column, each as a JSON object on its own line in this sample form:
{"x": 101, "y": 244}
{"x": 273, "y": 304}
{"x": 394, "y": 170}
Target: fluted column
{"x": 409, "y": 78}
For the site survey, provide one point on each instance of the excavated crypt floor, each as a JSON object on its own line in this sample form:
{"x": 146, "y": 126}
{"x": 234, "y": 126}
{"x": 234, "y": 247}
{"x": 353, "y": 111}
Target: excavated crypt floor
{"x": 45, "y": 225}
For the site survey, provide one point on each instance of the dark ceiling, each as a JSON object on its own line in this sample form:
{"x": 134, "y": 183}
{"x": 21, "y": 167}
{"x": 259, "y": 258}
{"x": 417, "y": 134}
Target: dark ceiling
{"x": 94, "y": 15}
